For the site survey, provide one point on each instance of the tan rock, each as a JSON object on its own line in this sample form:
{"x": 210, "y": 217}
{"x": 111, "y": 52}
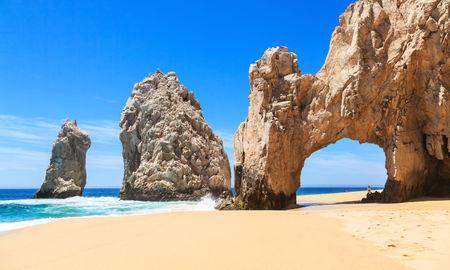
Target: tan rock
{"x": 385, "y": 81}
{"x": 66, "y": 174}
{"x": 169, "y": 151}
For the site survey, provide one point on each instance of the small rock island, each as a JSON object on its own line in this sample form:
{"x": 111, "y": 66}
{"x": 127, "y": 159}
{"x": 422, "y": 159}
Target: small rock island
{"x": 66, "y": 174}
{"x": 169, "y": 151}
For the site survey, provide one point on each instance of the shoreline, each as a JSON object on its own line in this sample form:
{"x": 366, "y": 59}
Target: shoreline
{"x": 34, "y": 222}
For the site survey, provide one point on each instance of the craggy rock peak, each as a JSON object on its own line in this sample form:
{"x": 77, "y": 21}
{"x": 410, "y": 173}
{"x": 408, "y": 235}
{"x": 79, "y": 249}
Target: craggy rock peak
{"x": 169, "y": 151}
{"x": 385, "y": 81}
{"x": 66, "y": 174}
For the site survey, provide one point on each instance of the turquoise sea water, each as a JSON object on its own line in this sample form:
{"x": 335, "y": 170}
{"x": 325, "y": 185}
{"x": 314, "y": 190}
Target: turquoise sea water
{"x": 18, "y": 210}
{"x": 329, "y": 190}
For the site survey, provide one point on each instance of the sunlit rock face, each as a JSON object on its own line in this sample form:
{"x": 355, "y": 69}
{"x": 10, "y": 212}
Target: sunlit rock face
{"x": 385, "y": 81}
{"x": 169, "y": 151}
{"x": 66, "y": 174}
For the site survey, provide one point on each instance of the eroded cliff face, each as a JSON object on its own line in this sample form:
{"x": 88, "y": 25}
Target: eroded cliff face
{"x": 385, "y": 81}
{"x": 169, "y": 151}
{"x": 66, "y": 174}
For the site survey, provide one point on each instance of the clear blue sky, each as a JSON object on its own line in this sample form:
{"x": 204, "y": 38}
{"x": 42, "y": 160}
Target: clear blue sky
{"x": 80, "y": 59}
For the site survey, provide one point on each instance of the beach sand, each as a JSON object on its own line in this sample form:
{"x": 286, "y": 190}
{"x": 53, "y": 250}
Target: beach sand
{"x": 411, "y": 235}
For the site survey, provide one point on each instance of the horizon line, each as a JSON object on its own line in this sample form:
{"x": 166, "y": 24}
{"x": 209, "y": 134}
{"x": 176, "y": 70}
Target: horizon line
{"x": 307, "y": 186}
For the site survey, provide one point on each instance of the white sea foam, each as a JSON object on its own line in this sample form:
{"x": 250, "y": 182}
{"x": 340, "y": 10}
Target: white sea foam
{"x": 207, "y": 203}
{"x": 9, "y": 226}
{"x": 31, "y": 212}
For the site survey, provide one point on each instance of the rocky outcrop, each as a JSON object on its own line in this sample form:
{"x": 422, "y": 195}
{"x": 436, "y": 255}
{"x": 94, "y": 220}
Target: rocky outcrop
{"x": 66, "y": 174}
{"x": 169, "y": 151}
{"x": 385, "y": 81}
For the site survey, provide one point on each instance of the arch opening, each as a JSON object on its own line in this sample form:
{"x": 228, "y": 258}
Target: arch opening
{"x": 346, "y": 165}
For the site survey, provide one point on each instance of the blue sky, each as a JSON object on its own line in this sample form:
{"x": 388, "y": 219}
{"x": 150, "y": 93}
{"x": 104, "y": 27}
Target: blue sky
{"x": 80, "y": 59}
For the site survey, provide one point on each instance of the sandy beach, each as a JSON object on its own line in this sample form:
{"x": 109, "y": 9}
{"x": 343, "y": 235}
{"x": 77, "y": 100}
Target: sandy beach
{"x": 345, "y": 235}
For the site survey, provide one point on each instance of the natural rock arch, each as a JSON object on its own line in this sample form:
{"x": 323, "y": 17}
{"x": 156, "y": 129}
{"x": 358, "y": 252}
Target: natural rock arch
{"x": 385, "y": 81}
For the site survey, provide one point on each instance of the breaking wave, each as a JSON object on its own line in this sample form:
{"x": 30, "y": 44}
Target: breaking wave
{"x": 15, "y": 214}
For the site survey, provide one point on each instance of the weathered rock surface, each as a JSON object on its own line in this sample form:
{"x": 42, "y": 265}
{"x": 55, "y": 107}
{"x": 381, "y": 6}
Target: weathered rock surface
{"x": 385, "y": 81}
{"x": 169, "y": 151}
{"x": 66, "y": 174}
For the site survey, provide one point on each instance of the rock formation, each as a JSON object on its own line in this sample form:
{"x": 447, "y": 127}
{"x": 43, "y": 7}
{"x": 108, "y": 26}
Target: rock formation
{"x": 169, "y": 151}
{"x": 385, "y": 81}
{"x": 66, "y": 174}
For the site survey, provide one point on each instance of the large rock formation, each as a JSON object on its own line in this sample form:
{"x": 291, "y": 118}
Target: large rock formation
{"x": 66, "y": 174}
{"x": 385, "y": 81}
{"x": 169, "y": 151}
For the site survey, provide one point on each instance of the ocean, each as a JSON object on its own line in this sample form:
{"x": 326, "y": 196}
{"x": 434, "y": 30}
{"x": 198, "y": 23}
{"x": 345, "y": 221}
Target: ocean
{"x": 329, "y": 190}
{"x": 18, "y": 210}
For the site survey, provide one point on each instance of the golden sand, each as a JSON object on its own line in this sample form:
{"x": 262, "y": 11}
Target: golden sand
{"x": 342, "y": 236}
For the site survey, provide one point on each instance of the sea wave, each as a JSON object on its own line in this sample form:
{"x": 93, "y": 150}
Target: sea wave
{"x": 15, "y": 214}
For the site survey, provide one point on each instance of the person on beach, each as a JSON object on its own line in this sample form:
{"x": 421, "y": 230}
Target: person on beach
{"x": 369, "y": 189}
